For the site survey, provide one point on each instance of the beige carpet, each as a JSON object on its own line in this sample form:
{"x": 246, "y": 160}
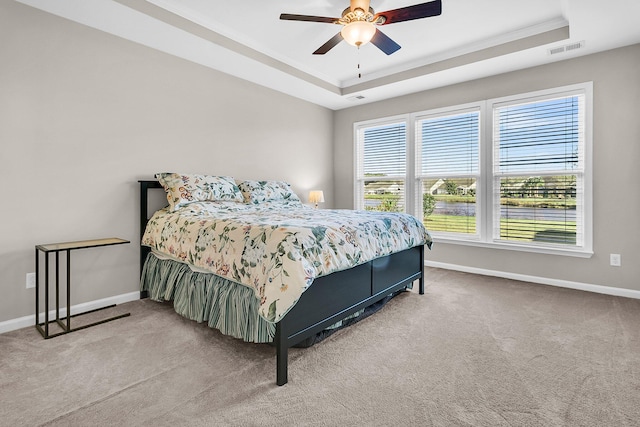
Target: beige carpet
{"x": 473, "y": 351}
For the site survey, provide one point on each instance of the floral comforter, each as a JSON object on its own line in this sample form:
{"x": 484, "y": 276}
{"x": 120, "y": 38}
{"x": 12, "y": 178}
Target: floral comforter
{"x": 278, "y": 249}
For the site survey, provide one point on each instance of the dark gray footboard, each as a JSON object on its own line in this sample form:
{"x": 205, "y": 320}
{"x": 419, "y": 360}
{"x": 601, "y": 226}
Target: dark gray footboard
{"x": 333, "y": 297}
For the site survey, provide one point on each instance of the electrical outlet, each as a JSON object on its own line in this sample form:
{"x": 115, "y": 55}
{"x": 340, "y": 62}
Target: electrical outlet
{"x": 614, "y": 260}
{"x": 31, "y": 280}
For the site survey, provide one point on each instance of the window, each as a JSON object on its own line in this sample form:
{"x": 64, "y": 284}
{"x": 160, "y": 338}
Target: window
{"x": 382, "y": 171}
{"x": 538, "y": 171}
{"x": 510, "y": 173}
{"x": 448, "y": 170}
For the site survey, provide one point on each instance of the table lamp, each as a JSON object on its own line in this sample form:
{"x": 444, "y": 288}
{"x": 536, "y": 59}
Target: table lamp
{"x": 316, "y": 196}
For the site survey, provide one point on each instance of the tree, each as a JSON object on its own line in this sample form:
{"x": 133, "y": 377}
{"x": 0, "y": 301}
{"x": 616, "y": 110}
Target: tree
{"x": 533, "y": 186}
{"x": 428, "y": 204}
{"x": 450, "y": 186}
{"x": 388, "y": 204}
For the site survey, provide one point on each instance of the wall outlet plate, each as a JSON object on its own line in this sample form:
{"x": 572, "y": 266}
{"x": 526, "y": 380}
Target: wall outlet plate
{"x": 615, "y": 260}
{"x": 31, "y": 280}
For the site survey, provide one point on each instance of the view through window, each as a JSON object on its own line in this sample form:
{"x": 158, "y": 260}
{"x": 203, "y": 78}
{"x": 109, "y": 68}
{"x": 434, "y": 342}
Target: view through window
{"x": 383, "y": 168}
{"x": 538, "y": 170}
{"x": 508, "y": 171}
{"x": 448, "y": 160}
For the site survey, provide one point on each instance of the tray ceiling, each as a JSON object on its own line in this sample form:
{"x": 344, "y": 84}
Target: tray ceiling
{"x": 470, "y": 39}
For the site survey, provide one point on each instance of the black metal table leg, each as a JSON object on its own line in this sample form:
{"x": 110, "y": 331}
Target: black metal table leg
{"x": 43, "y": 328}
{"x": 68, "y": 290}
{"x": 37, "y": 288}
{"x": 46, "y": 295}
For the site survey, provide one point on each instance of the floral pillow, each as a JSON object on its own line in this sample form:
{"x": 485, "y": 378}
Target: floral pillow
{"x": 267, "y": 191}
{"x": 184, "y": 188}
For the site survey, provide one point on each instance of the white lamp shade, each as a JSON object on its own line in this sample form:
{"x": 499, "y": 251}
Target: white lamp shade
{"x": 316, "y": 196}
{"x": 358, "y": 33}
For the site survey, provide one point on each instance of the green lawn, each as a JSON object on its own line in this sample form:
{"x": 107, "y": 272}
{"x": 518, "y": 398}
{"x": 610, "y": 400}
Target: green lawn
{"x": 558, "y": 232}
{"x": 541, "y": 231}
{"x": 514, "y": 229}
{"x": 451, "y": 223}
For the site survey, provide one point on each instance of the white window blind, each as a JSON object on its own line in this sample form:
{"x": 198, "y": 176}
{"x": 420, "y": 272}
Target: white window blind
{"x": 382, "y": 167}
{"x": 539, "y": 171}
{"x": 448, "y": 164}
{"x": 510, "y": 173}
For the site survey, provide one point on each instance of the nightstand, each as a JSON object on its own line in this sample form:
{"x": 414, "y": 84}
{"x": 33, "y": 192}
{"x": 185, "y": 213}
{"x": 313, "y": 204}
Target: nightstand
{"x": 56, "y": 248}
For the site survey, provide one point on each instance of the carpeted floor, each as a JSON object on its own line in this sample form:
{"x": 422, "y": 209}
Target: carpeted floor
{"x": 473, "y": 351}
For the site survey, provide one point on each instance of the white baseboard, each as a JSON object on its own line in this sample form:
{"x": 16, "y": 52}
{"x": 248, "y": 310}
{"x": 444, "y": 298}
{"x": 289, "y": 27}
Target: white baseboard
{"x": 23, "y": 322}
{"x": 600, "y": 289}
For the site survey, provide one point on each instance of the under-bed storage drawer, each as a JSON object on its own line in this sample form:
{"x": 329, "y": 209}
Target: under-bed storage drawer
{"x": 391, "y": 270}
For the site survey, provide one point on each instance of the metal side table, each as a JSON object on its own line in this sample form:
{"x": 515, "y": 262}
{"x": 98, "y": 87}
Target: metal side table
{"x": 57, "y": 248}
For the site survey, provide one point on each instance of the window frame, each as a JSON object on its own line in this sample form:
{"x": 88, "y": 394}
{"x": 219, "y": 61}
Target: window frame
{"x": 585, "y": 89}
{"x": 485, "y": 183}
{"x": 444, "y": 112}
{"x": 408, "y": 188}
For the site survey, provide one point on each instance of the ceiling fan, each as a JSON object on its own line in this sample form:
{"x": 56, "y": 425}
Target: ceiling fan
{"x": 359, "y": 23}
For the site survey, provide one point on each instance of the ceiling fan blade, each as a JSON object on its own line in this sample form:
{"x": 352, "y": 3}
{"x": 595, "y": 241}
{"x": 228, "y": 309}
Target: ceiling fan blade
{"x": 384, "y": 43}
{"x": 308, "y": 18}
{"x": 329, "y": 45}
{"x": 417, "y": 11}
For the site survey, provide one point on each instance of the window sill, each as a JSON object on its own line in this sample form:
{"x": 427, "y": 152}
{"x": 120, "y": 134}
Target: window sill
{"x": 578, "y": 253}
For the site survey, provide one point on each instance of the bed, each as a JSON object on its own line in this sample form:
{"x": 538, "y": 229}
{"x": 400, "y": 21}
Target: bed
{"x": 295, "y": 270}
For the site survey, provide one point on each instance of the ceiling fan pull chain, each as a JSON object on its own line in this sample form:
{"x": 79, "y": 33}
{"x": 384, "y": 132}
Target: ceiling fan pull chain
{"x": 359, "y": 73}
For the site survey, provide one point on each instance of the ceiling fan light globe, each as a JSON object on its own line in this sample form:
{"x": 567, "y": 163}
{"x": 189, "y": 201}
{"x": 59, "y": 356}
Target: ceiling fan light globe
{"x": 358, "y": 33}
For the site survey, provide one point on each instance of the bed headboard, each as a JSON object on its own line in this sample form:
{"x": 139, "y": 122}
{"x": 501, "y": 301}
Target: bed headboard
{"x": 144, "y": 214}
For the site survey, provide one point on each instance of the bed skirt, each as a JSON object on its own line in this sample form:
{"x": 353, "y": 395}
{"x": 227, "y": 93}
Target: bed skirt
{"x": 204, "y": 297}
{"x": 224, "y": 305}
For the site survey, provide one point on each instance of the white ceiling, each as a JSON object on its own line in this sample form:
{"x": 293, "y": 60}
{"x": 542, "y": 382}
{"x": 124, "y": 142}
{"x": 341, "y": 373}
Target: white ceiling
{"x": 471, "y": 39}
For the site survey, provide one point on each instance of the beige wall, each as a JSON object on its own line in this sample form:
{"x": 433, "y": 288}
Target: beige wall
{"x": 616, "y": 159}
{"x": 84, "y": 115}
